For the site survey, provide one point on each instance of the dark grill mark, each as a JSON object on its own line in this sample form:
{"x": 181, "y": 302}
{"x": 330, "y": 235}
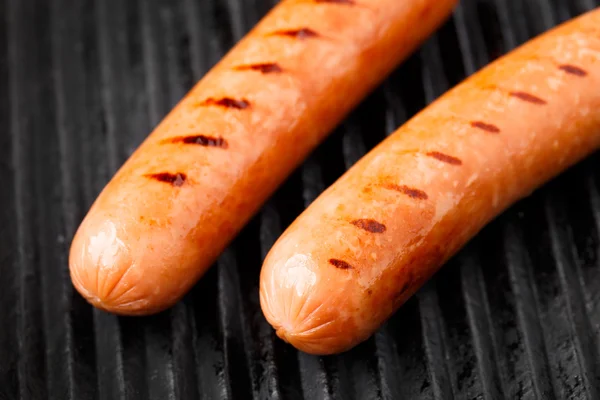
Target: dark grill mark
{"x": 349, "y": 2}
{"x": 177, "y": 179}
{"x": 573, "y": 70}
{"x": 528, "y": 97}
{"x": 201, "y": 140}
{"x": 339, "y": 263}
{"x": 303, "y": 33}
{"x": 410, "y": 192}
{"x": 265, "y": 68}
{"x": 369, "y": 225}
{"x": 445, "y": 158}
{"x": 485, "y": 126}
{"x": 227, "y": 102}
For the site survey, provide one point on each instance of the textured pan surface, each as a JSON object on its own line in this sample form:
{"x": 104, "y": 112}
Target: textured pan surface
{"x": 515, "y": 315}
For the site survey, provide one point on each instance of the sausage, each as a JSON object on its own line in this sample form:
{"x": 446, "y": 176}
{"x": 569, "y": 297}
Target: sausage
{"x": 205, "y": 170}
{"x": 371, "y": 239}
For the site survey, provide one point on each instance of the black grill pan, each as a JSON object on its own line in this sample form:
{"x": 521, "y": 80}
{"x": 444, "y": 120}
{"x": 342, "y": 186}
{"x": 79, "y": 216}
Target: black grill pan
{"x": 515, "y": 315}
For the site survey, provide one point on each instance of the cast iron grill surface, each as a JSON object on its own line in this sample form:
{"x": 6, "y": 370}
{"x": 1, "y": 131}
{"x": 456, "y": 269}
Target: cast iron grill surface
{"x": 514, "y": 315}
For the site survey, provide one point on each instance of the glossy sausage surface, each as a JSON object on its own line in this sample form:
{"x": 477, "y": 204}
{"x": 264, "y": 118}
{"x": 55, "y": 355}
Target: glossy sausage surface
{"x": 371, "y": 240}
{"x": 183, "y": 195}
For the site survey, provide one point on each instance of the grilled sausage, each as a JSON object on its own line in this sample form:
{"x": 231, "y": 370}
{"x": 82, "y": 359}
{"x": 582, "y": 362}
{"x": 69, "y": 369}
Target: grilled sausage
{"x": 363, "y": 247}
{"x": 211, "y": 163}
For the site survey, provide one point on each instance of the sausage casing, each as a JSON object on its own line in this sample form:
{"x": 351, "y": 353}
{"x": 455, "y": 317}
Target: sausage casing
{"x": 203, "y": 172}
{"x": 371, "y": 240}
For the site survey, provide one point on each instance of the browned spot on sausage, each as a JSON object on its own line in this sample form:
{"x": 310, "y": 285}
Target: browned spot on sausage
{"x": 201, "y": 140}
{"x": 369, "y": 292}
{"x": 177, "y": 179}
{"x": 528, "y": 97}
{"x": 425, "y": 11}
{"x": 573, "y": 70}
{"x": 303, "y": 33}
{"x": 408, "y": 283}
{"x": 404, "y": 288}
{"x": 265, "y": 68}
{"x": 398, "y": 296}
{"x": 410, "y": 192}
{"x": 339, "y": 263}
{"x": 491, "y": 87}
{"x": 226, "y": 102}
{"x": 349, "y": 2}
{"x": 445, "y": 158}
{"x": 369, "y": 225}
{"x": 485, "y": 126}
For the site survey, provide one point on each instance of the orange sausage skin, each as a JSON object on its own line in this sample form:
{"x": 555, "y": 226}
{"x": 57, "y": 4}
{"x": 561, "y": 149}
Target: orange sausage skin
{"x": 202, "y": 173}
{"x": 371, "y": 240}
